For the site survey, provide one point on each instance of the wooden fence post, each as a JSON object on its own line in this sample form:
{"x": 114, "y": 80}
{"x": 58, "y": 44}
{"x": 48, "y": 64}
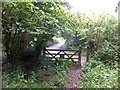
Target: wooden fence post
{"x": 87, "y": 53}
{"x": 79, "y": 56}
{"x": 44, "y": 50}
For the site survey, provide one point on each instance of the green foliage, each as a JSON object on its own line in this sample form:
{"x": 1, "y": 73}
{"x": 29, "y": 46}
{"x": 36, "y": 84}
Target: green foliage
{"x": 102, "y": 69}
{"x": 29, "y": 26}
{"x": 52, "y": 42}
{"x": 58, "y": 81}
{"x": 51, "y": 76}
{"x": 82, "y": 27}
{"x": 101, "y": 76}
{"x": 108, "y": 53}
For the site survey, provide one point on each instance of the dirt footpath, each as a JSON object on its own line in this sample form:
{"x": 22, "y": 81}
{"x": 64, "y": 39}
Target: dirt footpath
{"x": 74, "y": 79}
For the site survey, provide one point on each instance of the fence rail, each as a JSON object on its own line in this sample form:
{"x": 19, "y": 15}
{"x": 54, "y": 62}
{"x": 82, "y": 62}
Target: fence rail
{"x": 67, "y": 54}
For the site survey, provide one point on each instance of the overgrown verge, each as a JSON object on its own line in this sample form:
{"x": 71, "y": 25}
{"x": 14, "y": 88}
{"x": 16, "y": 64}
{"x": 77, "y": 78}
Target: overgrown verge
{"x": 102, "y": 70}
{"x": 48, "y": 75}
{"x": 101, "y": 76}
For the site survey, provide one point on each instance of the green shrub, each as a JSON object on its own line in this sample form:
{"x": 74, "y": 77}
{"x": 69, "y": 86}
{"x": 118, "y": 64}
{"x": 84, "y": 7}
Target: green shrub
{"x": 108, "y": 53}
{"x": 56, "y": 76}
{"x": 59, "y": 80}
{"x": 99, "y": 76}
{"x": 102, "y": 69}
{"x": 52, "y": 42}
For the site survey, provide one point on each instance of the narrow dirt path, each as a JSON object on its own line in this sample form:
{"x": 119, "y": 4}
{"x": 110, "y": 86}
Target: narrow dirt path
{"x": 74, "y": 79}
{"x": 56, "y": 46}
{"x": 75, "y": 76}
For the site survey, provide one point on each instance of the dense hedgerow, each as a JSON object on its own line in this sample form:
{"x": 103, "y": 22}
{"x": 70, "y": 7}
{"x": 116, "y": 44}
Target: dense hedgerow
{"x": 102, "y": 69}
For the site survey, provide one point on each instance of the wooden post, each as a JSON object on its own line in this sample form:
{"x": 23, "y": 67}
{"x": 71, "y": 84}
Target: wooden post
{"x": 61, "y": 55}
{"x": 44, "y": 50}
{"x": 79, "y": 56}
{"x": 87, "y": 53}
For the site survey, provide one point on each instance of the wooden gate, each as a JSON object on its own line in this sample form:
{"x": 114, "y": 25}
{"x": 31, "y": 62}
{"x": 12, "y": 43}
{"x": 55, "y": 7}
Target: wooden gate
{"x": 66, "y": 54}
